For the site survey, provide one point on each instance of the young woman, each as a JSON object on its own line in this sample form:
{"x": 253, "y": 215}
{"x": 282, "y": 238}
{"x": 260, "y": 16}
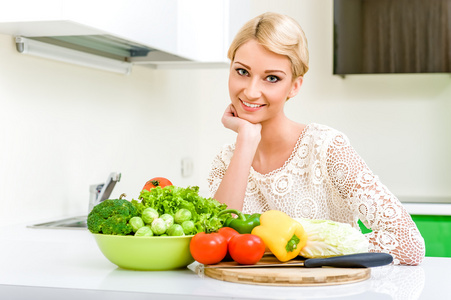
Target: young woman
{"x": 307, "y": 171}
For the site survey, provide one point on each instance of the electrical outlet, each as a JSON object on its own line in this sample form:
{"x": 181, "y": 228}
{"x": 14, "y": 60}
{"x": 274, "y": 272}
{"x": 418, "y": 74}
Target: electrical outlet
{"x": 187, "y": 167}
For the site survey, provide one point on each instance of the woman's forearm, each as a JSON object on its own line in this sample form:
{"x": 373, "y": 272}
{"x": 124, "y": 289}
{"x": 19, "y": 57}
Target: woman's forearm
{"x": 232, "y": 189}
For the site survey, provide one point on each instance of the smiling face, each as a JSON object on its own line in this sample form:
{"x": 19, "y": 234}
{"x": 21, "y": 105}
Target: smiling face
{"x": 260, "y": 82}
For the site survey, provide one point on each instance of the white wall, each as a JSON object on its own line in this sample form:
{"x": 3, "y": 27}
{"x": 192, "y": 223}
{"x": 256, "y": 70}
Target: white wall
{"x": 64, "y": 127}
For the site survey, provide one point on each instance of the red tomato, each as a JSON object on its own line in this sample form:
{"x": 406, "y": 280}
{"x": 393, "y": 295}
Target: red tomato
{"x": 246, "y": 249}
{"x": 208, "y": 248}
{"x": 228, "y": 233}
{"x": 157, "y": 181}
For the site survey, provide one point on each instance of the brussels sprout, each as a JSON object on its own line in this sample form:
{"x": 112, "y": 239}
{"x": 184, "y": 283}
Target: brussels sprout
{"x": 149, "y": 214}
{"x": 168, "y": 219}
{"x": 136, "y": 223}
{"x": 182, "y": 215}
{"x": 176, "y": 230}
{"x": 159, "y": 226}
{"x": 144, "y": 231}
{"x": 188, "y": 227}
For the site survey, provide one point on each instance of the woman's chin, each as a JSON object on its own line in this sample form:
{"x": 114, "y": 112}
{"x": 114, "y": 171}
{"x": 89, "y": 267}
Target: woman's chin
{"x": 249, "y": 119}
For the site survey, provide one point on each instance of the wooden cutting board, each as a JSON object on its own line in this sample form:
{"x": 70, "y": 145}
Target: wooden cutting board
{"x": 289, "y": 276}
{"x": 270, "y": 271}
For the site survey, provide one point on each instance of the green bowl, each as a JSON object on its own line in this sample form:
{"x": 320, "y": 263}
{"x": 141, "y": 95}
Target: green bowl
{"x": 156, "y": 253}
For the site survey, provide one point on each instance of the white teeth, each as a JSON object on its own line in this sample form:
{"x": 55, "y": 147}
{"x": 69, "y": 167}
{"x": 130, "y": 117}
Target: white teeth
{"x": 251, "y": 105}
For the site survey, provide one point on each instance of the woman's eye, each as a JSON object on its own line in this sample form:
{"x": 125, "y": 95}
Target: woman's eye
{"x": 272, "y": 78}
{"x": 242, "y": 72}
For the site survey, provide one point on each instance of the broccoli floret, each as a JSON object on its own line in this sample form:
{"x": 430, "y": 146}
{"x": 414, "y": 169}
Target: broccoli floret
{"x": 111, "y": 217}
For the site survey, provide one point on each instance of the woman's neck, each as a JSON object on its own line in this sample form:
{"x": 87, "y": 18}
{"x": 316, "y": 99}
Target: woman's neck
{"x": 278, "y": 140}
{"x": 278, "y": 133}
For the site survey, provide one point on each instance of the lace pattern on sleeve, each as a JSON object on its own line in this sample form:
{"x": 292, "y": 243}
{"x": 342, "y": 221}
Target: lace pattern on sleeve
{"x": 218, "y": 168}
{"x": 393, "y": 230}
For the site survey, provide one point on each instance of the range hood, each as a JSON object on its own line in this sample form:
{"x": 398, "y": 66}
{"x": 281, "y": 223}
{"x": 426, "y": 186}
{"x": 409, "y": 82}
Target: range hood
{"x": 104, "y": 52}
{"x": 109, "y": 46}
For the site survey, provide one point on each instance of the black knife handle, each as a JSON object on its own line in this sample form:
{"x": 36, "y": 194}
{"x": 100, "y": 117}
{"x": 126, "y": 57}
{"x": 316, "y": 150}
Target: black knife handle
{"x": 359, "y": 260}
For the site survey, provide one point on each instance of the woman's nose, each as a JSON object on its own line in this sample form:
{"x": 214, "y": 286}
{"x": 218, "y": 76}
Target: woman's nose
{"x": 252, "y": 90}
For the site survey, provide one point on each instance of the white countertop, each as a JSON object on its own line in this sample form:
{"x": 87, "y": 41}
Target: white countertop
{"x": 436, "y": 209}
{"x": 67, "y": 264}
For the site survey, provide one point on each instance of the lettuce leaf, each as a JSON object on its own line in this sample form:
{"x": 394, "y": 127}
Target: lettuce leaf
{"x": 170, "y": 199}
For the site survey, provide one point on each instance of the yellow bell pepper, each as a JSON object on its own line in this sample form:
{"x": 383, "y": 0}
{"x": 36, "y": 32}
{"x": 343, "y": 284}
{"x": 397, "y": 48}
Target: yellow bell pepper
{"x": 284, "y": 236}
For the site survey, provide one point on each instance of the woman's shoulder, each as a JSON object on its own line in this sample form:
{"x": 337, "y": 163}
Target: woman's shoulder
{"x": 324, "y": 137}
{"x": 321, "y": 130}
{"x": 229, "y": 147}
{"x": 226, "y": 152}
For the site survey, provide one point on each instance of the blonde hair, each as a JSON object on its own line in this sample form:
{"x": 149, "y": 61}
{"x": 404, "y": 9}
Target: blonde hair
{"x": 279, "y": 34}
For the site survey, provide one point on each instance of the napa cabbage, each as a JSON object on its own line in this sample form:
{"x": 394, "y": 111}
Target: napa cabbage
{"x": 328, "y": 238}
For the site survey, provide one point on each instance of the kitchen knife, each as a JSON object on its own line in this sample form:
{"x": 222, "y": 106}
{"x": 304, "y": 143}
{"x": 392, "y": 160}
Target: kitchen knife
{"x": 358, "y": 260}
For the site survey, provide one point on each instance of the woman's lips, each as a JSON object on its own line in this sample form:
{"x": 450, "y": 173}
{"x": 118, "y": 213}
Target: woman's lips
{"x": 250, "y": 106}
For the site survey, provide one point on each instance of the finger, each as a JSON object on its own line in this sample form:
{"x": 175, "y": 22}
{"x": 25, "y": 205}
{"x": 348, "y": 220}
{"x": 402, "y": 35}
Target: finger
{"x": 232, "y": 108}
{"x": 228, "y": 111}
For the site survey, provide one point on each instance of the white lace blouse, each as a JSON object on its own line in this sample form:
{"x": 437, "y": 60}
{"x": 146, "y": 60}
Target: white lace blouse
{"x": 325, "y": 178}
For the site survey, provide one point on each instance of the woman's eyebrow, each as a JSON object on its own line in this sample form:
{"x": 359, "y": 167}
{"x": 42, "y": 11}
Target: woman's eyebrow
{"x": 266, "y": 71}
{"x": 275, "y": 71}
{"x": 246, "y": 66}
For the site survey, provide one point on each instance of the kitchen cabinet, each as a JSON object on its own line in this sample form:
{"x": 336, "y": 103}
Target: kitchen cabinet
{"x": 436, "y": 231}
{"x": 188, "y": 30}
